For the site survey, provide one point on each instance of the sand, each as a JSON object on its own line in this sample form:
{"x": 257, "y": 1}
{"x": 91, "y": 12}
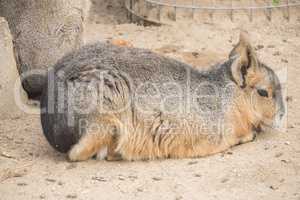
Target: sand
{"x": 268, "y": 168}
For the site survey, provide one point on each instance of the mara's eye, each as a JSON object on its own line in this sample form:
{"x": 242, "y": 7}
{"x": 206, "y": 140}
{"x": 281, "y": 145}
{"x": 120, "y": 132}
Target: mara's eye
{"x": 263, "y": 93}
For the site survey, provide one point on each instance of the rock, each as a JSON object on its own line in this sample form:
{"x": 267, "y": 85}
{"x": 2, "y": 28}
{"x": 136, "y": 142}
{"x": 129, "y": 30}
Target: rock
{"x": 71, "y": 196}
{"x": 282, "y": 180}
{"x": 132, "y": 178}
{"x": 6, "y": 155}
{"x": 43, "y": 33}
{"x": 278, "y": 155}
{"x": 121, "y": 178}
{"x": 195, "y": 54}
{"x": 60, "y": 183}
{"x": 224, "y": 180}
{"x": 9, "y": 76}
{"x": 192, "y": 162}
{"x": 289, "y": 98}
{"x": 99, "y": 178}
{"x": 260, "y": 46}
{"x": 276, "y": 53}
{"x": 271, "y": 46}
{"x": 22, "y": 184}
{"x": 285, "y": 161}
{"x": 156, "y": 178}
{"x": 273, "y": 187}
{"x": 266, "y": 148}
{"x": 50, "y": 180}
{"x": 291, "y": 126}
{"x": 178, "y": 197}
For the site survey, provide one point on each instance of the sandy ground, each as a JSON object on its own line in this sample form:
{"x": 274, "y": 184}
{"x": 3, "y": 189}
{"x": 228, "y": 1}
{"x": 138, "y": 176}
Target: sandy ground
{"x": 268, "y": 168}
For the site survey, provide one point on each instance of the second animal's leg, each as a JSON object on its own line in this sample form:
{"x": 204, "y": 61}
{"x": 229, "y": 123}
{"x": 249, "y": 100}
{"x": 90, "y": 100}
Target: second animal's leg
{"x": 112, "y": 155}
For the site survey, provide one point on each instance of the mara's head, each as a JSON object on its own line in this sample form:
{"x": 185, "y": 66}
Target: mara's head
{"x": 258, "y": 83}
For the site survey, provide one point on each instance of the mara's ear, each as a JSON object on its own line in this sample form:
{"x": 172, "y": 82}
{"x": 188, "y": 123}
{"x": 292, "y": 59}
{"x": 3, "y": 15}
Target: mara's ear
{"x": 243, "y": 58}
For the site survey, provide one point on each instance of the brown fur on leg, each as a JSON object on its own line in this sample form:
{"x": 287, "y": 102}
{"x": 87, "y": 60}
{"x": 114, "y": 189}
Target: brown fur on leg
{"x": 88, "y": 146}
{"x": 112, "y": 155}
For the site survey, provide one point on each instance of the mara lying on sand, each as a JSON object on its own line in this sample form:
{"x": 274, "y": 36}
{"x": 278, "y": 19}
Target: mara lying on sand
{"x": 133, "y": 104}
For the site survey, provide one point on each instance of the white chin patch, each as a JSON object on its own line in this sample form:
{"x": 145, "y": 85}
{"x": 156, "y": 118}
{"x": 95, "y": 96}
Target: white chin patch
{"x": 102, "y": 153}
{"x": 280, "y": 123}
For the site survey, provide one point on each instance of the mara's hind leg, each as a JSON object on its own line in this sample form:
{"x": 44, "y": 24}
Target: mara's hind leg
{"x": 88, "y": 146}
{"x": 112, "y": 155}
{"x": 248, "y": 137}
